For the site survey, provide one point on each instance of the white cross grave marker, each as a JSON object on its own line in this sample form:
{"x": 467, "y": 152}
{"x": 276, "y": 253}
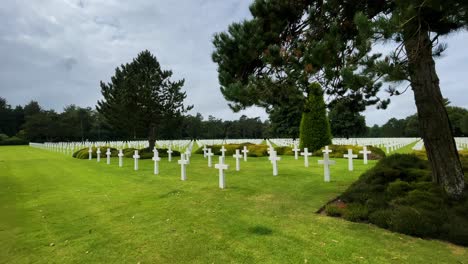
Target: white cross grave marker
{"x": 98, "y": 153}
{"x": 120, "y": 157}
{"x": 296, "y": 150}
{"x": 223, "y": 150}
{"x": 108, "y": 154}
{"x": 169, "y": 154}
{"x": 90, "y": 151}
{"x": 156, "y": 159}
{"x": 274, "y": 159}
{"x": 183, "y": 162}
{"x": 245, "y": 151}
{"x": 350, "y": 157}
{"x": 364, "y": 152}
{"x": 209, "y": 154}
{"x": 306, "y": 155}
{"x": 326, "y": 150}
{"x": 204, "y": 151}
{"x": 237, "y": 156}
{"x": 221, "y": 167}
{"x": 326, "y": 166}
{"x": 136, "y": 157}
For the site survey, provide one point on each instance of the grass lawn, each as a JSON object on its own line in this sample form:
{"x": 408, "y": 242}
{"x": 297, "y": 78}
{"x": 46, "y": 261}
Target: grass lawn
{"x": 96, "y": 213}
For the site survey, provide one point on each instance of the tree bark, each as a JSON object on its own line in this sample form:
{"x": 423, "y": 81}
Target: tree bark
{"x": 434, "y": 123}
{"x": 152, "y": 136}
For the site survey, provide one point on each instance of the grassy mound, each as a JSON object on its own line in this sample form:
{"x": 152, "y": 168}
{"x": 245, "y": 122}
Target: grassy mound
{"x": 340, "y": 150}
{"x": 83, "y": 153}
{"x": 398, "y": 194}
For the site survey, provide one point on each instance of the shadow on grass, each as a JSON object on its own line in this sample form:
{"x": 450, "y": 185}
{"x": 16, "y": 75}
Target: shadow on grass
{"x": 260, "y": 230}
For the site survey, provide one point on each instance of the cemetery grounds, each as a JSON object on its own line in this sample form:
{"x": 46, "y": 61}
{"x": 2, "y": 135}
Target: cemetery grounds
{"x": 56, "y": 209}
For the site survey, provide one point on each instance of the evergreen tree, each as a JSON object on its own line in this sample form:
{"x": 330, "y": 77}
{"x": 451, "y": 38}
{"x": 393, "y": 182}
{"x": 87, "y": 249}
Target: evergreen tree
{"x": 290, "y": 44}
{"x": 345, "y": 120}
{"x": 141, "y": 97}
{"x": 314, "y": 128}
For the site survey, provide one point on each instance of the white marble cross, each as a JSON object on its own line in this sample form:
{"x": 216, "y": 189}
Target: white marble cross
{"x": 245, "y": 151}
{"x": 221, "y": 167}
{"x": 120, "y": 158}
{"x": 223, "y": 150}
{"x": 326, "y": 150}
{"x": 204, "y": 151}
{"x": 274, "y": 160}
{"x": 188, "y": 152}
{"x": 306, "y": 155}
{"x": 156, "y": 160}
{"x": 90, "y": 151}
{"x": 209, "y": 154}
{"x": 98, "y": 154}
{"x": 350, "y": 157}
{"x": 237, "y": 156}
{"x": 136, "y": 157}
{"x": 169, "y": 154}
{"x": 296, "y": 151}
{"x": 326, "y": 166}
{"x": 183, "y": 162}
{"x": 364, "y": 152}
{"x": 108, "y": 154}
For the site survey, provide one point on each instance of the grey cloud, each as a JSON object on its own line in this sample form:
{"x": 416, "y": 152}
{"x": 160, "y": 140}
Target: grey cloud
{"x": 57, "y": 51}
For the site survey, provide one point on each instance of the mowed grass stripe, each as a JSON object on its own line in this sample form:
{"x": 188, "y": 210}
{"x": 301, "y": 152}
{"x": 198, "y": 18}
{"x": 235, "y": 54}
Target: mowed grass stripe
{"x": 96, "y": 213}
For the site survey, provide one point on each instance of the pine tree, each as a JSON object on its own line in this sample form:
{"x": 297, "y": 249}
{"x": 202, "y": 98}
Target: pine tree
{"x": 141, "y": 97}
{"x": 314, "y": 128}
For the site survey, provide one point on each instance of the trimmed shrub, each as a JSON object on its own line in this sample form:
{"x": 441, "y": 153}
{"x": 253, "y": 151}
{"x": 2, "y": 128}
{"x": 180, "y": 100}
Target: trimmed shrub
{"x": 254, "y": 150}
{"x": 147, "y": 153}
{"x": 398, "y": 194}
{"x": 339, "y": 150}
{"x": 314, "y": 130}
{"x": 84, "y": 154}
{"x": 333, "y": 210}
{"x": 10, "y": 141}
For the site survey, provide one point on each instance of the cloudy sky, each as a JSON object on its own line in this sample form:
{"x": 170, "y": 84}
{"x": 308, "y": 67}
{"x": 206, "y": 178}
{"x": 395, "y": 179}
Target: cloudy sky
{"x": 57, "y": 51}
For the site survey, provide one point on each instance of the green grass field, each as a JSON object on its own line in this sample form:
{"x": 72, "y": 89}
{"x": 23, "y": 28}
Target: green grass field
{"x": 97, "y": 213}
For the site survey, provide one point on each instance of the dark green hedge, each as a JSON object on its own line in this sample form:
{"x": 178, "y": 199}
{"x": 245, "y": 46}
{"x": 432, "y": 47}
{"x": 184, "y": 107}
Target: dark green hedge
{"x": 254, "y": 150}
{"x": 398, "y": 194}
{"x": 83, "y": 153}
{"x": 13, "y": 141}
{"x": 339, "y": 150}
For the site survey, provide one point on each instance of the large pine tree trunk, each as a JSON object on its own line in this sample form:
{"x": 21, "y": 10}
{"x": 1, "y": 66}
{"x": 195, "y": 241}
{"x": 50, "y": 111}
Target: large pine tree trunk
{"x": 152, "y": 136}
{"x": 433, "y": 119}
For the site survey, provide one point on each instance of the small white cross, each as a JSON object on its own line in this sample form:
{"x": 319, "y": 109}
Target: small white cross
{"x": 209, "y": 154}
{"x": 326, "y": 150}
{"x": 188, "y": 152}
{"x": 237, "y": 156}
{"x": 221, "y": 167}
{"x": 350, "y": 157}
{"x": 274, "y": 160}
{"x": 183, "y": 162}
{"x": 306, "y": 155}
{"x": 245, "y": 151}
{"x": 364, "y": 152}
{"x": 98, "y": 154}
{"x": 169, "y": 154}
{"x": 326, "y": 166}
{"x": 223, "y": 150}
{"x": 296, "y": 151}
{"x": 136, "y": 157}
{"x": 108, "y": 154}
{"x": 90, "y": 151}
{"x": 204, "y": 151}
{"x": 120, "y": 157}
{"x": 156, "y": 160}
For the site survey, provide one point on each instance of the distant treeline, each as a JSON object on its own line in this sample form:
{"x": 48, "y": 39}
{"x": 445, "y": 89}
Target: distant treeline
{"x": 32, "y": 122}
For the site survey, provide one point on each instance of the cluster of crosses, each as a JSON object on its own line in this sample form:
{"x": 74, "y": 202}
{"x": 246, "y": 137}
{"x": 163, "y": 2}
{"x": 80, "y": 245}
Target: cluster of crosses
{"x": 221, "y": 166}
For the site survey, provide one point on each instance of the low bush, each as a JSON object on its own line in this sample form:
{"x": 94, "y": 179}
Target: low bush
{"x": 147, "y": 153}
{"x": 84, "y": 154}
{"x": 339, "y": 150}
{"x": 254, "y": 150}
{"x": 398, "y": 194}
{"x": 9, "y": 141}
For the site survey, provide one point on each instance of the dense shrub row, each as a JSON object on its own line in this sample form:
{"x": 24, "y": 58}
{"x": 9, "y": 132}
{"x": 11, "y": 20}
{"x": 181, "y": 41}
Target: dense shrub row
{"x": 6, "y": 140}
{"x": 398, "y": 194}
{"x": 339, "y": 150}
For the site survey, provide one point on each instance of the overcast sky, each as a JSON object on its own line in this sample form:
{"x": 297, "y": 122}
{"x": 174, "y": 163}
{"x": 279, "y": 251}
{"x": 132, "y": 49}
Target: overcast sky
{"x": 57, "y": 51}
